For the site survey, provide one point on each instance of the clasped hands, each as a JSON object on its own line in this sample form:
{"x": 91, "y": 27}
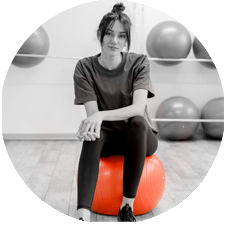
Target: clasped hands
{"x": 89, "y": 128}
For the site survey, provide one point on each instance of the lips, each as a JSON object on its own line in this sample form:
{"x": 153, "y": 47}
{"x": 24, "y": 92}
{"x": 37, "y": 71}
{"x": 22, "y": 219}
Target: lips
{"x": 113, "y": 48}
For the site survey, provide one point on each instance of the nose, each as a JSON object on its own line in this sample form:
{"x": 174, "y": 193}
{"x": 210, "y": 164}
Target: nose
{"x": 114, "y": 40}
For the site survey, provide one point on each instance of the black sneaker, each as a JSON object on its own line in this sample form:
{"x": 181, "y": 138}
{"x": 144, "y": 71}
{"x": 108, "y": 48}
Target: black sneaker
{"x": 126, "y": 214}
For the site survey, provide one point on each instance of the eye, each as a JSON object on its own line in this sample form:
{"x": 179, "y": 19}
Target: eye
{"x": 108, "y": 33}
{"x": 122, "y": 36}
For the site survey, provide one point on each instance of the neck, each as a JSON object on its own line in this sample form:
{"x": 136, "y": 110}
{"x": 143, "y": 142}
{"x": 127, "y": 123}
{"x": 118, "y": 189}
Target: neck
{"x": 110, "y": 62}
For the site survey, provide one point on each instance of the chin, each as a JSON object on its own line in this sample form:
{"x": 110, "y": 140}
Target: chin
{"x": 115, "y": 53}
{"x": 112, "y": 53}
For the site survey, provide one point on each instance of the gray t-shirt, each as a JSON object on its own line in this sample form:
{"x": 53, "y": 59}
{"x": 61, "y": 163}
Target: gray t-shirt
{"x": 113, "y": 89}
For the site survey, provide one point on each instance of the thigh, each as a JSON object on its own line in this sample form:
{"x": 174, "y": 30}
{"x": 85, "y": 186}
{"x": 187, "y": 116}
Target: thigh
{"x": 152, "y": 142}
{"x": 147, "y": 139}
{"x": 116, "y": 145}
{"x": 94, "y": 148}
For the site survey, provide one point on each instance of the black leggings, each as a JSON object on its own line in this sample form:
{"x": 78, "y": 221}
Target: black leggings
{"x": 135, "y": 143}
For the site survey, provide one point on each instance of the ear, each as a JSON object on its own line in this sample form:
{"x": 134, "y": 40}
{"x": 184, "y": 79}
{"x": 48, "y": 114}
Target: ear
{"x": 98, "y": 34}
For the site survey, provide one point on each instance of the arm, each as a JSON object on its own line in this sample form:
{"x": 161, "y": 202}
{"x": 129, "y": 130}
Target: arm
{"x": 91, "y": 108}
{"x": 136, "y": 109}
{"x": 92, "y": 124}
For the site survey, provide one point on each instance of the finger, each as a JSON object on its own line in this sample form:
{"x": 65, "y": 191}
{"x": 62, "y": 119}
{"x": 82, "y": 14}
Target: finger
{"x": 91, "y": 136}
{"x": 80, "y": 138}
{"x": 86, "y": 137}
{"x": 97, "y": 130}
{"x": 83, "y": 126}
{"x": 78, "y": 135}
{"x": 84, "y": 134}
{"x": 92, "y": 128}
{"x": 95, "y": 135}
{"x": 87, "y": 126}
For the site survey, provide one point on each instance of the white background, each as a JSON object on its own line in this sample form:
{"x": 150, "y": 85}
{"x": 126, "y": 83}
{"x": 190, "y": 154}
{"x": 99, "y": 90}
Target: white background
{"x": 18, "y": 205}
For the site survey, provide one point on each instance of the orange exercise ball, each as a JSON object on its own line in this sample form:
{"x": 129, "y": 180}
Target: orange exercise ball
{"x": 213, "y": 109}
{"x": 109, "y": 189}
{"x": 177, "y": 108}
{"x": 37, "y": 43}
{"x": 201, "y": 53}
{"x": 169, "y": 39}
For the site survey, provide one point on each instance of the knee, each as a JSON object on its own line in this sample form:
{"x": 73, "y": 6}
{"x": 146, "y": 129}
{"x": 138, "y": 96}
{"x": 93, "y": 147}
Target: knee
{"x": 102, "y": 138}
{"x": 97, "y": 144}
{"x": 138, "y": 123}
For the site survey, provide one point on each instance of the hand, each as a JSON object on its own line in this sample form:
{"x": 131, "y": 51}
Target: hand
{"x": 82, "y": 137}
{"x": 87, "y": 136}
{"x": 90, "y": 127}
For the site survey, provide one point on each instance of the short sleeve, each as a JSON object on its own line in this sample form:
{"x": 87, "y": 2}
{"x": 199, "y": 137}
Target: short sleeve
{"x": 142, "y": 77}
{"x": 83, "y": 85}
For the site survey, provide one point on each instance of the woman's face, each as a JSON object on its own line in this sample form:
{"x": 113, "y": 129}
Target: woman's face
{"x": 114, "y": 40}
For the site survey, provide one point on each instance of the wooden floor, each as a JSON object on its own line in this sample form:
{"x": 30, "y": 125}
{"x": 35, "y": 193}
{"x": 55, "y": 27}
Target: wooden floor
{"x": 49, "y": 168}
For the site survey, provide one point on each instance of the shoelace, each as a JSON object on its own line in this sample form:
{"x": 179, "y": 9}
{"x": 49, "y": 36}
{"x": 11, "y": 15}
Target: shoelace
{"x": 129, "y": 214}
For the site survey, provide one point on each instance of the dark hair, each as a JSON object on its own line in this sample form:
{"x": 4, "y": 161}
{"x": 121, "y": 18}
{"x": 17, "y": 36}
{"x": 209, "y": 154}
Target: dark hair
{"x": 109, "y": 19}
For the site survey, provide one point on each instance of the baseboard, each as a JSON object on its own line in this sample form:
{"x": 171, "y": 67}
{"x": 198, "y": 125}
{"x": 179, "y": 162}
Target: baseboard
{"x": 49, "y": 136}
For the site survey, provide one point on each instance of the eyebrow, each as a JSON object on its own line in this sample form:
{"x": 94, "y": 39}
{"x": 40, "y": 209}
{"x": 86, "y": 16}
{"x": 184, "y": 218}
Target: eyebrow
{"x": 113, "y": 31}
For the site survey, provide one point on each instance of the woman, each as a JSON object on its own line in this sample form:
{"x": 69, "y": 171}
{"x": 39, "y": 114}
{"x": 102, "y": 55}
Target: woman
{"x": 113, "y": 86}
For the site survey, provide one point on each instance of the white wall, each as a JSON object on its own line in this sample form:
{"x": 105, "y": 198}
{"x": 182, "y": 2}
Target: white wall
{"x": 38, "y": 101}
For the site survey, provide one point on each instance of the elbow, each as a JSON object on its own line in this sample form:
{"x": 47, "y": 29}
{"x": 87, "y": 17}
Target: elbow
{"x": 141, "y": 114}
{"x": 141, "y": 111}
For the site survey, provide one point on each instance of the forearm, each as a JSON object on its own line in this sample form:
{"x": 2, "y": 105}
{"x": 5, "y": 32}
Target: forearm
{"x": 122, "y": 113}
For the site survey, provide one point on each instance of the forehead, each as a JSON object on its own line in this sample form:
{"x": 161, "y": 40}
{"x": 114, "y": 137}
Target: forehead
{"x": 117, "y": 27}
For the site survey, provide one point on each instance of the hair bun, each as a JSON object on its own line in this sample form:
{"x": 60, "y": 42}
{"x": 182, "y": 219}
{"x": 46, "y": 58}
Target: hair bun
{"x": 118, "y": 8}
